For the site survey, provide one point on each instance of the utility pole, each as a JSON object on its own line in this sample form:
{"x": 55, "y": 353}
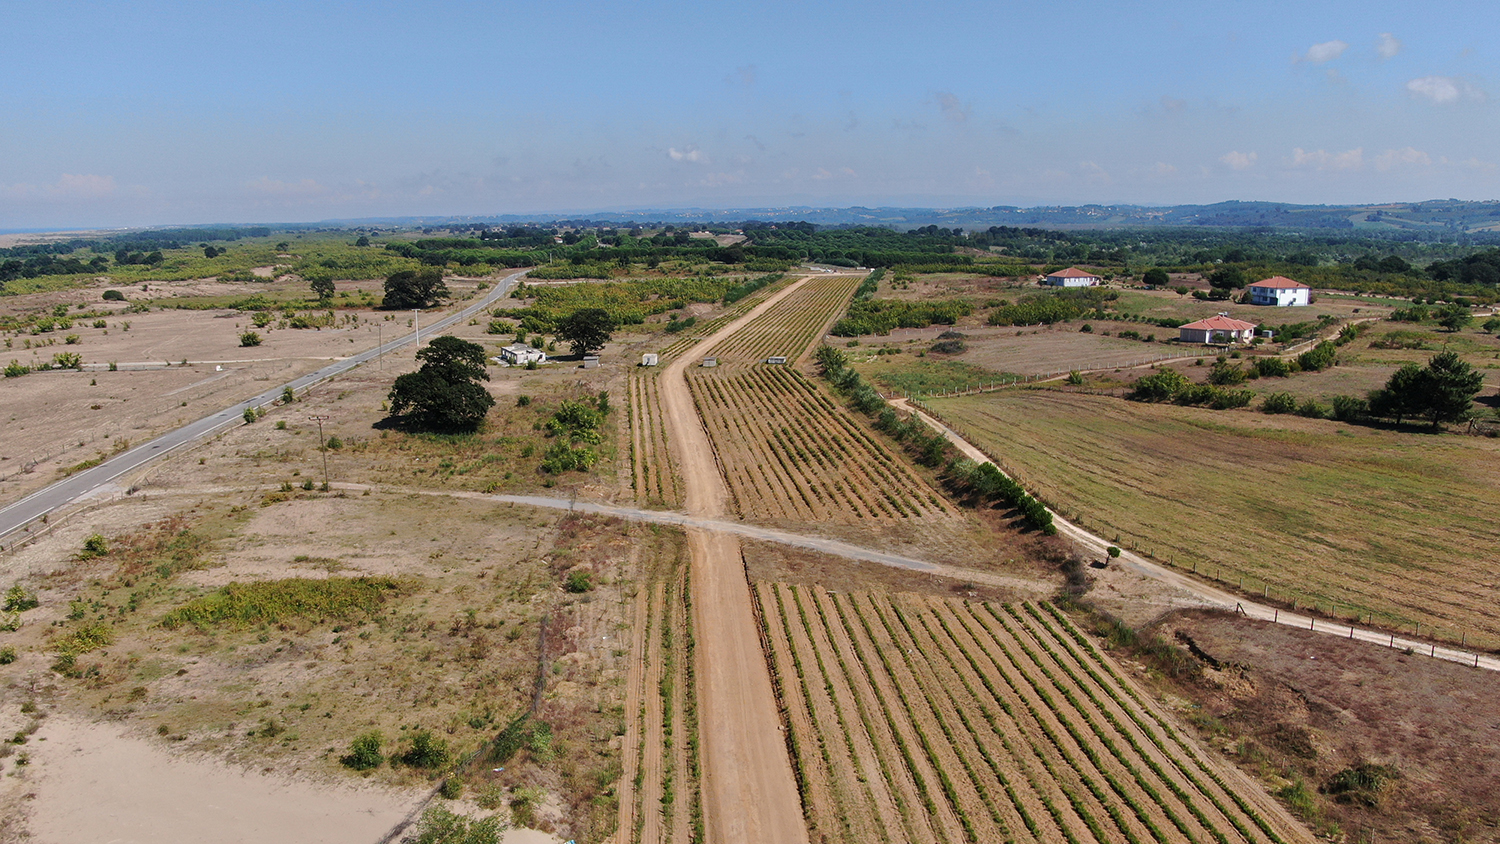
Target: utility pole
{"x": 380, "y": 346}
{"x": 322, "y": 446}
{"x": 416, "y": 322}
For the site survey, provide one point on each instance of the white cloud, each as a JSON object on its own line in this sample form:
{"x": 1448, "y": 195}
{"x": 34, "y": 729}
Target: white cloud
{"x": 1239, "y": 160}
{"x": 1407, "y": 156}
{"x": 692, "y": 154}
{"x": 1388, "y": 46}
{"x": 1094, "y": 174}
{"x": 1352, "y": 159}
{"x": 83, "y": 185}
{"x": 1325, "y": 52}
{"x": 1163, "y": 169}
{"x": 1444, "y": 89}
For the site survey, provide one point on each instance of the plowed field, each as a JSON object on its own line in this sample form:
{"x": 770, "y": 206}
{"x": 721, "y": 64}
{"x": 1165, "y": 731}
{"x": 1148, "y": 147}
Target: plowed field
{"x": 917, "y": 718}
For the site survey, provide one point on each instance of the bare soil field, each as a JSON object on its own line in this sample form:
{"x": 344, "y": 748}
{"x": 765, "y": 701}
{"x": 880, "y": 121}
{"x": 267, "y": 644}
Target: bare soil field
{"x": 918, "y": 718}
{"x": 60, "y": 418}
{"x": 1387, "y": 525}
{"x": 1301, "y": 711}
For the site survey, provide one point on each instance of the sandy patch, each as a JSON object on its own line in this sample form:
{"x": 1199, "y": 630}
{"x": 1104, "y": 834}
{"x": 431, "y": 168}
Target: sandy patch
{"x": 94, "y": 782}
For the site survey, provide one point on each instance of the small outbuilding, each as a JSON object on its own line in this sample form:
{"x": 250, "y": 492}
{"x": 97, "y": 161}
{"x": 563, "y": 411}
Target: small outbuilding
{"x": 649, "y": 359}
{"x": 776, "y": 359}
{"x": 590, "y": 361}
{"x": 710, "y": 362}
{"x": 1279, "y": 291}
{"x": 1072, "y": 277}
{"x": 520, "y": 354}
{"x": 1217, "y": 331}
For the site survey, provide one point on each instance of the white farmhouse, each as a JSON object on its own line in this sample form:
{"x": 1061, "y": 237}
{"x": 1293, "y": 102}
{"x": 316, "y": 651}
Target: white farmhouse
{"x": 1217, "y": 330}
{"x": 520, "y": 354}
{"x": 1280, "y": 291}
{"x": 1072, "y": 277}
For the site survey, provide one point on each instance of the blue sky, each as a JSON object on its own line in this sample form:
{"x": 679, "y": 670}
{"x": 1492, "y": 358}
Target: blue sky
{"x": 173, "y": 112}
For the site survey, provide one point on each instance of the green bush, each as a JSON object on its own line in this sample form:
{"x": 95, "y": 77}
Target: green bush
{"x": 364, "y": 752}
{"x": 1278, "y": 403}
{"x": 440, "y": 826}
{"x": 95, "y": 546}
{"x": 425, "y": 751}
{"x": 249, "y": 338}
{"x": 578, "y": 582}
{"x": 7, "y": 655}
{"x": 114, "y": 296}
{"x": 451, "y": 789}
{"x": 19, "y": 599}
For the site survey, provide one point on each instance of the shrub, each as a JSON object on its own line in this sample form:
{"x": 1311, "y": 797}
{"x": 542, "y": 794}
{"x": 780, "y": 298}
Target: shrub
{"x": 523, "y": 401}
{"x": 18, "y": 599}
{"x": 949, "y": 347}
{"x": 364, "y": 752}
{"x": 95, "y": 546}
{"x": 578, "y": 582}
{"x": 1278, "y": 403}
{"x": 250, "y": 415}
{"x": 425, "y": 751}
{"x": 1075, "y": 378}
{"x": 1349, "y": 408}
{"x": 114, "y": 296}
{"x": 7, "y": 655}
{"x": 1320, "y": 357}
{"x": 451, "y": 789}
{"x": 1272, "y": 368}
{"x": 1225, "y": 374}
{"x": 72, "y": 340}
{"x": 335, "y": 443}
{"x": 249, "y": 338}
{"x": 67, "y": 360}
{"x": 16, "y": 369}
{"x": 1160, "y": 386}
{"x": 1312, "y": 410}
{"x": 440, "y": 826}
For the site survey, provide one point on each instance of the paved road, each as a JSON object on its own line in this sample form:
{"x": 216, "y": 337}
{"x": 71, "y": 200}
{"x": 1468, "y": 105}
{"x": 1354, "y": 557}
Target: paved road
{"x": 70, "y": 489}
{"x": 1221, "y": 598}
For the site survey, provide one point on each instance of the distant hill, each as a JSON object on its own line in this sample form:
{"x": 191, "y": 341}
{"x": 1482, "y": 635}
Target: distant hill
{"x": 1436, "y": 217}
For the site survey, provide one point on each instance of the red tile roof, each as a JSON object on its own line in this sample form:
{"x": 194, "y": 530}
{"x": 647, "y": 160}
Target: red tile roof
{"x": 1071, "y": 272}
{"x": 1281, "y": 282}
{"x": 1220, "y": 323}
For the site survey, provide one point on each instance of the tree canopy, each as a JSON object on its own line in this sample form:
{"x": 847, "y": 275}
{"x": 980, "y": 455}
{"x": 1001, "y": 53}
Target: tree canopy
{"x": 444, "y": 395}
{"x": 1156, "y": 277}
{"x": 1442, "y": 391}
{"x": 587, "y": 329}
{"x": 414, "y": 289}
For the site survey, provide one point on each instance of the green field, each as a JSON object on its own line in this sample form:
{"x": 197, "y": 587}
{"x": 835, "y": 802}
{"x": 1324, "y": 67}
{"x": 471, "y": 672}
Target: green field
{"x": 1396, "y": 524}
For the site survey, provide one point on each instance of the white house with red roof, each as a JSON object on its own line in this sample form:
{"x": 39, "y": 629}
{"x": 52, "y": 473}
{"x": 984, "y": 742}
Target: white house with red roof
{"x": 1072, "y": 277}
{"x": 1217, "y": 331}
{"x": 1280, "y": 291}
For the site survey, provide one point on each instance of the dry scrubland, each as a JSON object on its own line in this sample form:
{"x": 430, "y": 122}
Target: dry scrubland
{"x": 58, "y": 419}
{"x": 1308, "y": 714}
{"x": 271, "y": 632}
{"x": 929, "y": 719}
{"x": 1379, "y": 522}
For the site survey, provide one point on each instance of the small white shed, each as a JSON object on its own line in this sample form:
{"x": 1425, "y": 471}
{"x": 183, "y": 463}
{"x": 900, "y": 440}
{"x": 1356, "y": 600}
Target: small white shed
{"x": 520, "y": 354}
{"x": 649, "y": 359}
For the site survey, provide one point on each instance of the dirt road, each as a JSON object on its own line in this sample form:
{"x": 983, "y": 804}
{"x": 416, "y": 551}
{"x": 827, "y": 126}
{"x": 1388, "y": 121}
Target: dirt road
{"x": 749, "y": 791}
{"x": 1220, "y": 598}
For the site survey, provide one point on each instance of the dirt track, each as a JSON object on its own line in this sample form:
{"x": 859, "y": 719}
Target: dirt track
{"x": 750, "y": 794}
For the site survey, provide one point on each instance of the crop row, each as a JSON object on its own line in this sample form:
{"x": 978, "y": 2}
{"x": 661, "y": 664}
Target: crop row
{"x": 653, "y": 474}
{"x": 788, "y": 452}
{"x": 789, "y": 327}
{"x": 708, "y": 327}
{"x": 932, "y": 720}
{"x": 665, "y": 802}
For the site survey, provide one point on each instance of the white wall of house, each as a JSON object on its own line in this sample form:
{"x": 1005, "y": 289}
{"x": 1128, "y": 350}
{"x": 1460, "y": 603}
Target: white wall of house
{"x": 1280, "y": 296}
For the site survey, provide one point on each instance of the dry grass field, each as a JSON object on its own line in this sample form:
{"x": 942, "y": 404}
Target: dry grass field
{"x": 930, "y": 719}
{"x": 1360, "y": 521}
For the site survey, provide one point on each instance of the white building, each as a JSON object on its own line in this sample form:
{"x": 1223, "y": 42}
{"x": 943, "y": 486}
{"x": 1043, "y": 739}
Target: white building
{"x": 650, "y": 359}
{"x": 1217, "y": 330}
{"x": 520, "y": 354}
{"x": 1072, "y": 277}
{"x": 1280, "y": 291}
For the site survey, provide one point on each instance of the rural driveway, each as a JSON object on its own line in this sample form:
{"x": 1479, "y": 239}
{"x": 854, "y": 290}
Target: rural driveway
{"x": 750, "y": 793}
{"x": 38, "y": 504}
{"x": 1213, "y": 596}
